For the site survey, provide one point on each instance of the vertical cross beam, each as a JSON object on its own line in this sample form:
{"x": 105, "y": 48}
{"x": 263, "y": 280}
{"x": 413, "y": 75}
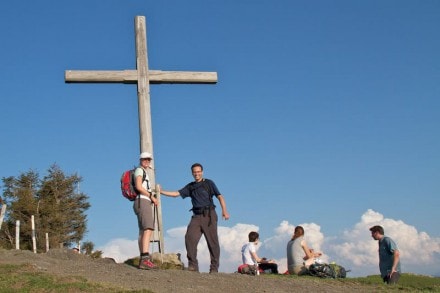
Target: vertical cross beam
{"x": 143, "y": 88}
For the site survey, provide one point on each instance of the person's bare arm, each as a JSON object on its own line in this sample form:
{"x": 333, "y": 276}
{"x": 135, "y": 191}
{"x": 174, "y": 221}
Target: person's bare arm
{"x": 307, "y": 251}
{"x": 395, "y": 262}
{"x": 222, "y": 201}
{"x": 168, "y": 193}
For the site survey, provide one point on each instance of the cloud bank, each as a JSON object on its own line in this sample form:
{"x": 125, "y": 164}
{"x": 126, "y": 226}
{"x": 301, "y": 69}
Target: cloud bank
{"x": 354, "y": 249}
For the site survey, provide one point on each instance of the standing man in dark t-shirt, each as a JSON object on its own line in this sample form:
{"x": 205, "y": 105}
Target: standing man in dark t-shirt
{"x": 389, "y": 256}
{"x": 204, "y": 219}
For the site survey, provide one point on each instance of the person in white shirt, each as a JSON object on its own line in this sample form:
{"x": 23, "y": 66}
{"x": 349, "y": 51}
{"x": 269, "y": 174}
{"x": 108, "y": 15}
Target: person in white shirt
{"x": 250, "y": 257}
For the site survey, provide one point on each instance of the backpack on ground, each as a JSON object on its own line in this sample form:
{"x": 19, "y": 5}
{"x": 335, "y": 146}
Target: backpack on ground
{"x": 324, "y": 270}
{"x": 128, "y": 184}
{"x": 340, "y": 271}
{"x": 247, "y": 269}
{"x": 321, "y": 270}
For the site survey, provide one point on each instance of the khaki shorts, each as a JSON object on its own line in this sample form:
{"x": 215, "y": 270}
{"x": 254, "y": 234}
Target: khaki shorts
{"x": 143, "y": 209}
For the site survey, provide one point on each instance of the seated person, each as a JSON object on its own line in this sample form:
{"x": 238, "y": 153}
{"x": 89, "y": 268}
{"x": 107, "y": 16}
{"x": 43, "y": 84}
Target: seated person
{"x": 299, "y": 255}
{"x": 250, "y": 257}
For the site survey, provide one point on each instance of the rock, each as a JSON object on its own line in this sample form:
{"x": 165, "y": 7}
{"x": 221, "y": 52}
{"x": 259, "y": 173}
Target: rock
{"x": 168, "y": 261}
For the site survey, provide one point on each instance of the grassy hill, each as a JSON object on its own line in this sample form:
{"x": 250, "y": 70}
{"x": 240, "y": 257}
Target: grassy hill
{"x": 64, "y": 271}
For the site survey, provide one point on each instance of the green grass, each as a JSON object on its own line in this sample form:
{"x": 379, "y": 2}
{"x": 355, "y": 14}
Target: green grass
{"x": 25, "y": 278}
{"x": 409, "y": 282}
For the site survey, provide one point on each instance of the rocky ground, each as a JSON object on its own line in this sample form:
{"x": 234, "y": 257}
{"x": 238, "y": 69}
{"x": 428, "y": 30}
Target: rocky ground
{"x": 67, "y": 263}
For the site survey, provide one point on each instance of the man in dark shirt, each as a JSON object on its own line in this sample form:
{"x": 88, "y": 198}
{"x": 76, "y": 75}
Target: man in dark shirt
{"x": 204, "y": 218}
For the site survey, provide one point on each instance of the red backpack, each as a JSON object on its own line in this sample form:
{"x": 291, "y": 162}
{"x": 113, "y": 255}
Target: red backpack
{"x": 128, "y": 185}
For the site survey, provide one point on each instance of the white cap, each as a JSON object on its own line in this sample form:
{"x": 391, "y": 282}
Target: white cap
{"x": 146, "y": 155}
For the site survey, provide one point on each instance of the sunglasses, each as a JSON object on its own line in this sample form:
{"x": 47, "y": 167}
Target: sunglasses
{"x": 148, "y": 159}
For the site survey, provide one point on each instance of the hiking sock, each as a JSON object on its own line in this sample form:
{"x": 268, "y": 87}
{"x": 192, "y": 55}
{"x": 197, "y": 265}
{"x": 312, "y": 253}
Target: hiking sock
{"x": 145, "y": 255}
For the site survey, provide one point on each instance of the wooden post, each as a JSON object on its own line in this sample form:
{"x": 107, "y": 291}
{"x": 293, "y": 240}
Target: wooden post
{"x": 143, "y": 77}
{"x": 17, "y": 234}
{"x": 34, "y": 241}
{"x": 47, "y": 242}
{"x": 2, "y": 214}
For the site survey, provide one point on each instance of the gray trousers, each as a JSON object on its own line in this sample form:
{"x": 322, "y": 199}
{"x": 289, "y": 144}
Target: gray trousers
{"x": 203, "y": 224}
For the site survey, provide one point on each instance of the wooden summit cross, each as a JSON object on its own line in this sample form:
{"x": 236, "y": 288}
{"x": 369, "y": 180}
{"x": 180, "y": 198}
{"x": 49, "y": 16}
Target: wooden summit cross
{"x": 142, "y": 76}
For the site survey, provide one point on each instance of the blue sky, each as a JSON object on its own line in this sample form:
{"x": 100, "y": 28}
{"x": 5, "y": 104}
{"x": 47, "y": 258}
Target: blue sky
{"x": 326, "y": 114}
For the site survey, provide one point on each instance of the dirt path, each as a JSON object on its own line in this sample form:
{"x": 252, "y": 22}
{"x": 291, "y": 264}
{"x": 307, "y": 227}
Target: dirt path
{"x": 67, "y": 263}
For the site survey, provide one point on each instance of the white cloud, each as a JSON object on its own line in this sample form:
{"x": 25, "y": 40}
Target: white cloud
{"x": 120, "y": 249}
{"x": 231, "y": 241}
{"x": 354, "y": 249}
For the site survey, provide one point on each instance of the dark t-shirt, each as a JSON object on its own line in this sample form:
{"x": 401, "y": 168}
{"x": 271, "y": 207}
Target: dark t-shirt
{"x": 201, "y": 193}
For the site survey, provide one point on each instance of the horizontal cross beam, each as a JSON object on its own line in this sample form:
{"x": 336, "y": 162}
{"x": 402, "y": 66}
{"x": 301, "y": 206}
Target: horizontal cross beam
{"x": 131, "y": 76}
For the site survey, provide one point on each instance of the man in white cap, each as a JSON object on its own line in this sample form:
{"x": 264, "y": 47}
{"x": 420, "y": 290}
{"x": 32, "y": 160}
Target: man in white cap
{"x": 142, "y": 207}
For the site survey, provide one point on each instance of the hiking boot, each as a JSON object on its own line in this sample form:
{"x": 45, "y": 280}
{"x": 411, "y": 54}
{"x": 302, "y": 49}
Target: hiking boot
{"x": 147, "y": 264}
{"x": 192, "y": 269}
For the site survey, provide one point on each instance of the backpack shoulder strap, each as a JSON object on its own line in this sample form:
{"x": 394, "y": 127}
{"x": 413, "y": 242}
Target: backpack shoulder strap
{"x": 144, "y": 176}
{"x": 207, "y": 186}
